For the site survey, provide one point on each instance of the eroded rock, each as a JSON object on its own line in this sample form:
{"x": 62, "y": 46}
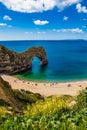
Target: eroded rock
{"x": 12, "y": 62}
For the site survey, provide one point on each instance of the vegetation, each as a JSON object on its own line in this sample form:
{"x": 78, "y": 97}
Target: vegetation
{"x": 52, "y": 113}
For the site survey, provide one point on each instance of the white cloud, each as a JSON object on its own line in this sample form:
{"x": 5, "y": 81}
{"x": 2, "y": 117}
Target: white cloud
{"x": 81, "y": 9}
{"x": 61, "y": 4}
{"x": 39, "y": 22}
{"x": 3, "y": 24}
{"x": 28, "y": 32}
{"x": 6, "y": 17}
{"x": 30, "y": 6}
{"x": 73, "y": 30}
{"x": 65, "y": 18}
{"x": 76, "y": 30}
{"x": 43, "y": 32}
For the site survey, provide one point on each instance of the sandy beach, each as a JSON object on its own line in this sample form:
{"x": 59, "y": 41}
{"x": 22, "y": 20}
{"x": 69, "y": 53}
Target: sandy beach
{"x": 47, "y": 89}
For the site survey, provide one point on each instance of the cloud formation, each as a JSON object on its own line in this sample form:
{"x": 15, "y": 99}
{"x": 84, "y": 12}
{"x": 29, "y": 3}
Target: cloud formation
{"x": 6, "y": 17}
{"x": 73, "y": 30}
{"x": 65, "y": 18}
{"x": 81, "y": 9}
{"x": 3, "y": 24}
{"x": 28, "y": 32}
{"x": 42, "y": 32}
{"x": 31, "y": 6}
{"x": 39, "y": 22}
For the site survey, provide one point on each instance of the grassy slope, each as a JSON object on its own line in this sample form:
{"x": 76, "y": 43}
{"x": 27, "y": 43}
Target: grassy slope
{"x": 53, "y": 113}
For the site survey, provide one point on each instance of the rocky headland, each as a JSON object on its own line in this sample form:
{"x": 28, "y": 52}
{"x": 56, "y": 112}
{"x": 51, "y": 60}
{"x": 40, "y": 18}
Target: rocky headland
{"x": 12, "y": 62}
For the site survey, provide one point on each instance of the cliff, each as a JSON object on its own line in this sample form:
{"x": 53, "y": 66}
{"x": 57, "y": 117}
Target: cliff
{"x": 7, "y": 94}
{"x": 12, "y": 62}
{"x": 17, "y": 99}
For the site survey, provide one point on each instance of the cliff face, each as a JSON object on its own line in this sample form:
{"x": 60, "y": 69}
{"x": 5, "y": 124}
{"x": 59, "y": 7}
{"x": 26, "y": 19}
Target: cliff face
{"x": 12, "y": 62}
{"x": 17, "y": 99}
{"x": 6, "y": 94}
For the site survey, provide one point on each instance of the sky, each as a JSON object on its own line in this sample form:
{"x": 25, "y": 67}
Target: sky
{"x": 43, "y": 19}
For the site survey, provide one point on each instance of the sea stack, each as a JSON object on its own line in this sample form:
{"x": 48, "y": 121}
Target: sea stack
{"x": 12, "y": 62}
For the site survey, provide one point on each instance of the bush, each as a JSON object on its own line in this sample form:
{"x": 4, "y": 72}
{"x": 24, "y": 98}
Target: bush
{"x": 54, "y": 113}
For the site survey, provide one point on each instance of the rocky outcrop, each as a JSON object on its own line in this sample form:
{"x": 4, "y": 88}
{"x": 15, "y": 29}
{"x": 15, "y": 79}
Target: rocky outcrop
{"x": 12, "y": 62}
{"x": 6, "y": 94}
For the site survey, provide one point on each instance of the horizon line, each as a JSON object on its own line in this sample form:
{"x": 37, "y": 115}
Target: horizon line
{"x": 43, "y": 40}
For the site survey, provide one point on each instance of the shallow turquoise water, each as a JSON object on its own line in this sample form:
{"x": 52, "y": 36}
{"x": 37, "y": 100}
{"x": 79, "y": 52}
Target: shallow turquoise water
{"x": 67, "y": 60}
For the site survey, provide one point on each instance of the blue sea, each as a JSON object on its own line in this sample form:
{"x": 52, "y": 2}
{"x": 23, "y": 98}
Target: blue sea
{"x": 67, "y": 60}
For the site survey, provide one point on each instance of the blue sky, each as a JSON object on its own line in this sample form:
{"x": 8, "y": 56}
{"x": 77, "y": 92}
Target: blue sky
{"x": 43, "y": 19}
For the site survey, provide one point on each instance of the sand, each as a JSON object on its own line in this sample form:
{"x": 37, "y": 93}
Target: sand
{"x": 47, "y": 89}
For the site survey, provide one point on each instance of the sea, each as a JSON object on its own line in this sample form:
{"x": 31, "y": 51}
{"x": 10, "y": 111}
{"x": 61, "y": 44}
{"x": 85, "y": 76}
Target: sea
{"x": 67, "y": 60}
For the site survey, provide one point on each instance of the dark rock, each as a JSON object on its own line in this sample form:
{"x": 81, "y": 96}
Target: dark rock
{"x": 12, "y": 62}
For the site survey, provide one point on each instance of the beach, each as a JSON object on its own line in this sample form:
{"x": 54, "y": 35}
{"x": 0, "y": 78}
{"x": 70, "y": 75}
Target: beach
{"x": 47, "y": 88}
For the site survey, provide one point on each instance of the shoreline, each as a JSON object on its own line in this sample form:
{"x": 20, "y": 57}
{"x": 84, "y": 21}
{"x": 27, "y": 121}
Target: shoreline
{"x": 49, "y": 81}
{"x": 46, "y": 88}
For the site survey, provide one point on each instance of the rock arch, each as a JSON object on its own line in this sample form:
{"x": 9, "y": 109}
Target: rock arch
{"x": 38, "y": 52}
{"x": 12, "y": 62}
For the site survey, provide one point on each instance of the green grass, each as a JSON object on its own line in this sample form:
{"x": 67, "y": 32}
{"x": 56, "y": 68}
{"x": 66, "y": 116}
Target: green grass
{"x": 53, "y": 113}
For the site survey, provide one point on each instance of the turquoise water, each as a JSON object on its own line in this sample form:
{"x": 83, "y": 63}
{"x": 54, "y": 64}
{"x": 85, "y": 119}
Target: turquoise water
{"x": 67, "y": 60}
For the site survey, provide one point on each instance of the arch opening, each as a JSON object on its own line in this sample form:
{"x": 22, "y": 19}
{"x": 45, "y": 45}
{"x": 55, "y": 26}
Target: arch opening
{"x": 36, "y": 63}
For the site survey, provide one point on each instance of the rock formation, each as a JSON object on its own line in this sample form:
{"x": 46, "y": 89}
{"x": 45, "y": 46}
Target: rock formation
{"x": 12, "y": 62}
{"x": 6, "y": 94}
